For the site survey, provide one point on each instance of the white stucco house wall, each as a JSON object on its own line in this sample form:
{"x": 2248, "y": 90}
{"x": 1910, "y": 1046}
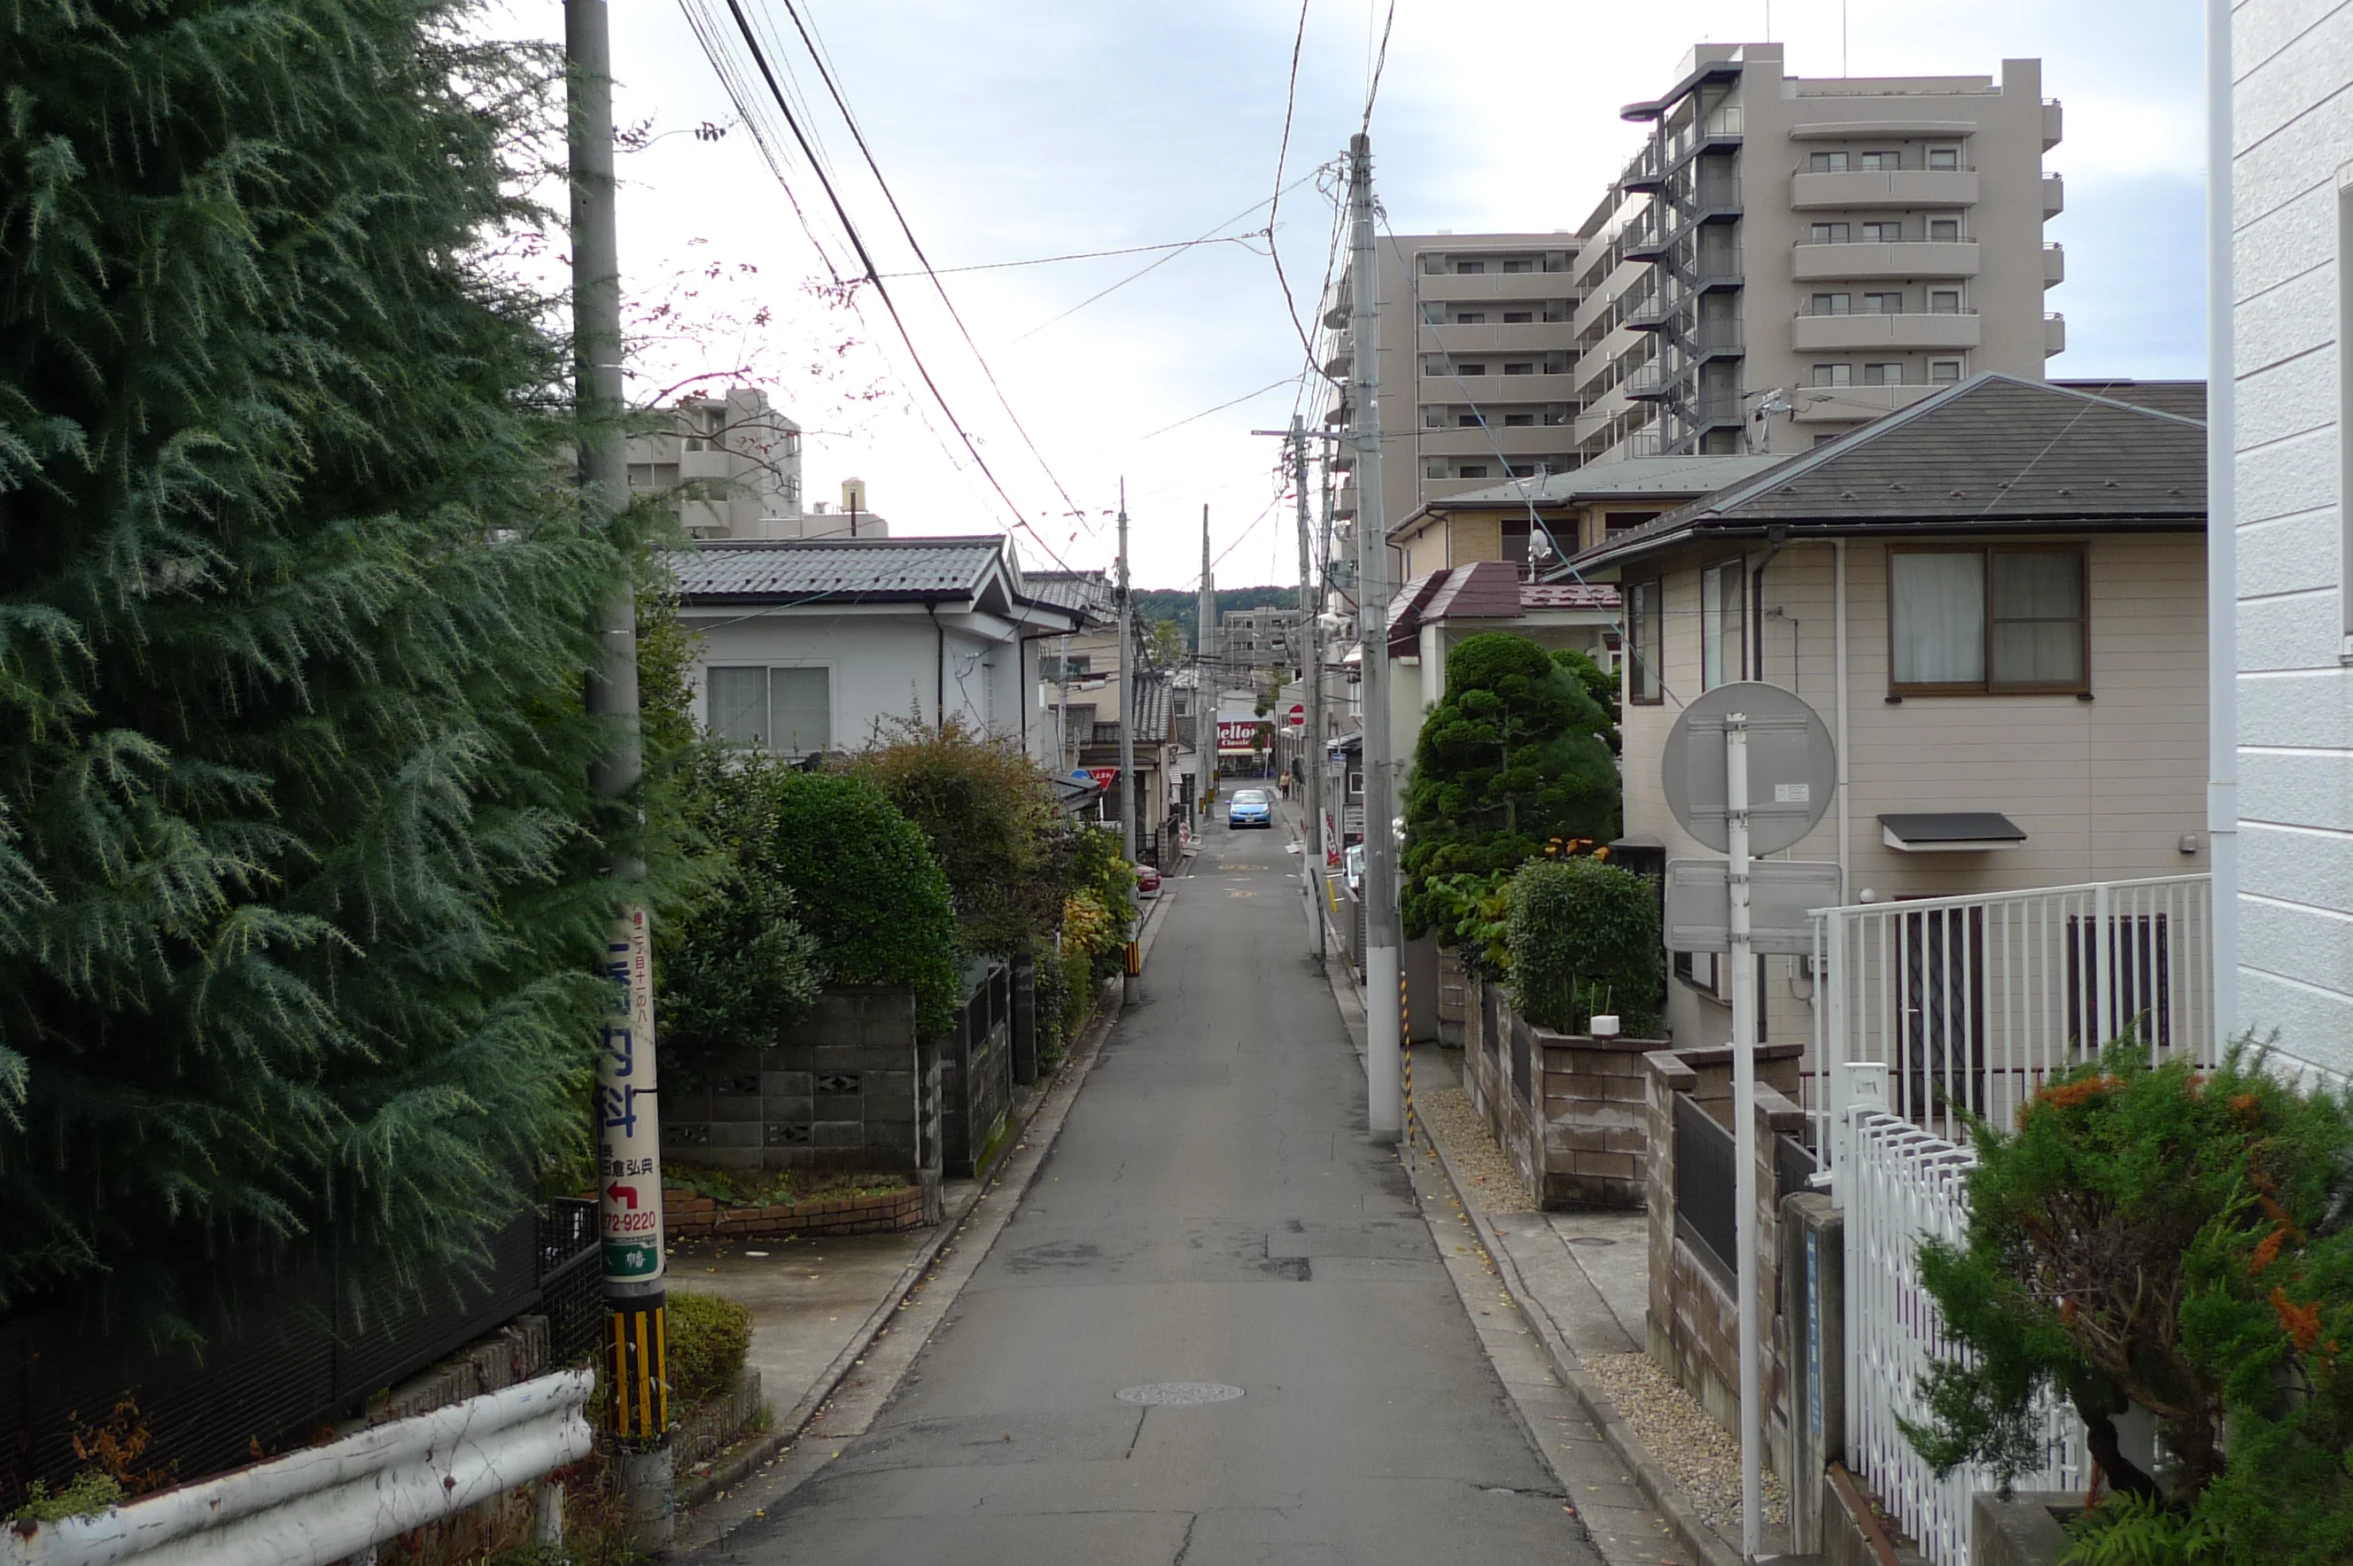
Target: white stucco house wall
{"x": 2292, "y": 186}
{"x": 812, "y": 646}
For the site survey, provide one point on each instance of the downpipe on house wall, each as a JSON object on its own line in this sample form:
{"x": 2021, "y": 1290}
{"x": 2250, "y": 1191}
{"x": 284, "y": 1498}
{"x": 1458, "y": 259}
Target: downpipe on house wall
{"x": 2222, "y": 607}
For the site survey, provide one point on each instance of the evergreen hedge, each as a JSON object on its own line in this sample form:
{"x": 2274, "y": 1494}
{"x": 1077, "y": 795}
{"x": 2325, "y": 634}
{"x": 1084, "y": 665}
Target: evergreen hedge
{"x": 298, "y": 868}
{"x": 1584, "y": 937}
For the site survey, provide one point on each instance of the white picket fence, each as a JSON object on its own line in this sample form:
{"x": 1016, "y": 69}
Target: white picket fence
{"x": 1901, "y": 1185}
{"x": 1973, "y": 1003}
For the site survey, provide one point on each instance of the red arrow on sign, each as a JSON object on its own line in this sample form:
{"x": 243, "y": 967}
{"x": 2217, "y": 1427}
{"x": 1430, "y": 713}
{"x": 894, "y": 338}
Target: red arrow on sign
{"x": 623, "y": 1193}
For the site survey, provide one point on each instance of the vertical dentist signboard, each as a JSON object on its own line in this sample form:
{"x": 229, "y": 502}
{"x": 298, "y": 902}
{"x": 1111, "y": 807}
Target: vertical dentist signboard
{"x": 629, "y": 1163}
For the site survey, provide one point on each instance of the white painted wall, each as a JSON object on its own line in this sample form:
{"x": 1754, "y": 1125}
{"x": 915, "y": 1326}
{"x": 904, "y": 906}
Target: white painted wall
{"x": 886, "y": 664}
{"x": 2293, "y": 133}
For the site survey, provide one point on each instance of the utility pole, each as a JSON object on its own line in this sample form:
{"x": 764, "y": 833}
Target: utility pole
{"x": 1131, "y": 981}
{"x": 1206, "y": 687}
{"x": 1062, "y": 746}
{"x": 1384, "y": 1028}
{"x": 636, "y": 1414}
{"x": 1311, "y": 848}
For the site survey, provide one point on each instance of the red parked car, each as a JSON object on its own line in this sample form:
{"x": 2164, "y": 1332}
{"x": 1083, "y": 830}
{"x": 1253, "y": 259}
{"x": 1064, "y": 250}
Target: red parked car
{"x": 1147, "y": 880}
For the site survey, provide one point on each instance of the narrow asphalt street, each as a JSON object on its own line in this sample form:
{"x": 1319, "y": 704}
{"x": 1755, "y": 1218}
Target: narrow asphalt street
{"x": 1212, "y": 1213}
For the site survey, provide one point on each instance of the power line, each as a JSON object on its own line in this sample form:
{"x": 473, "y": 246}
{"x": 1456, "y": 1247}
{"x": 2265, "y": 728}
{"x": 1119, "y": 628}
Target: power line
{"x": 1380, "y": 64}
{"x": 1089, "y": 255}
{"x": 1156, "y": 265}
{"x": 866, "y": 261}
{"x": 840, "y": 104}
{"x": 1274, "y": 247}
{"x": 1220, "y": 408}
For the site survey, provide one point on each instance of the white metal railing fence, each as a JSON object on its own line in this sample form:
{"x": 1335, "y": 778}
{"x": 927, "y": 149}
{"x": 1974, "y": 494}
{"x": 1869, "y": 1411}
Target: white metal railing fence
{"x": 1973, "y": 1003}
{"x": 1902, "y": 1185}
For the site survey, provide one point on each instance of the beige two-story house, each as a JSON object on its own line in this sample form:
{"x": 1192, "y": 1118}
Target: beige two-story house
{"x": 1996, "y": 600}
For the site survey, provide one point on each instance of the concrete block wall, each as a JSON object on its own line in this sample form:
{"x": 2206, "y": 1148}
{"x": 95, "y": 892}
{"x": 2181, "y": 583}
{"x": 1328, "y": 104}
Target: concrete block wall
{"x": 976, "y": 1075}
{"x": 2293, "y": 142}
{"x": 845, "y": 1090}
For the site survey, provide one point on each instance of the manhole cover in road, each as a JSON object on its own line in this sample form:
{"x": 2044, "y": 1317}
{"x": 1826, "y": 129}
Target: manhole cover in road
{"x": 1167, "y": 1393}
{"x": 1589, "y": 1239}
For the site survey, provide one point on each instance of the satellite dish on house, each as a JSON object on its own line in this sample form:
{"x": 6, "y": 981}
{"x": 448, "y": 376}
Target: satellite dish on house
{"x": 1792, "y": 766}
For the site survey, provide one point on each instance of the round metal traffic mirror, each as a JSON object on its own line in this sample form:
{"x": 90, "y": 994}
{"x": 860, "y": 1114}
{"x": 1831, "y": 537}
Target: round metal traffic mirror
{"x": 1792, "y": 766}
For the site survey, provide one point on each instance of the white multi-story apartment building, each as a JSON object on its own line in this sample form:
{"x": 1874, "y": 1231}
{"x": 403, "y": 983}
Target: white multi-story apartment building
{"x": 730, "y": 467}
{"x": 1786, "y": 257}
{"x": 2292, "y": 175}
{"x": 1819, "y": 250}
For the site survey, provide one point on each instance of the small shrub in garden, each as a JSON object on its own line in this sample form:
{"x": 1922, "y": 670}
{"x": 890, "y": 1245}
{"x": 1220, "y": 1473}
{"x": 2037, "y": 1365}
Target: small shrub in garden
{"x": 708, "y": 1339}
{"x": 2183, "y": 1241}
{"x": 1584, "y": 937}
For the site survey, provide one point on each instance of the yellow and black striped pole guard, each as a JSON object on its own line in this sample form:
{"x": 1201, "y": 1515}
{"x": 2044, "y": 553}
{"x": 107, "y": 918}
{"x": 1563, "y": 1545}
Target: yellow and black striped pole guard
{"x": 637, "y": 1368}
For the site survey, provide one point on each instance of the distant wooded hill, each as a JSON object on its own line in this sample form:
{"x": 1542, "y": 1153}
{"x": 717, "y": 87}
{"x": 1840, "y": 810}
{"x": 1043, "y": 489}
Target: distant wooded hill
{"x": 1182, "y": 606}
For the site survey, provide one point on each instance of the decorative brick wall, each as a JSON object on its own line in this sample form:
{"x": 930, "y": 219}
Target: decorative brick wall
{"x": 688, "y": 1214}
{"x": 1693, "y": 1321}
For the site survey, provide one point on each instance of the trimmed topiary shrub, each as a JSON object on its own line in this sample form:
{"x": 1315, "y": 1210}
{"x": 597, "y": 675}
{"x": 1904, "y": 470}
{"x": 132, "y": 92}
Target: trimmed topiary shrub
{"x": 708, "y": 1340}
{"x": 1584, "y": 937}
{"x": 1513, "y": 756}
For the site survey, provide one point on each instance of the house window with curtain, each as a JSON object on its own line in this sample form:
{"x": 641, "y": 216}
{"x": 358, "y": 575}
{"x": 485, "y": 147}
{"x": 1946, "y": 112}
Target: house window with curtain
{"x": 1642, "y": 643}
{"x": 789, "y": 711}
{"x": 1723, "y": 622}
{"x": 1965, "y": 621}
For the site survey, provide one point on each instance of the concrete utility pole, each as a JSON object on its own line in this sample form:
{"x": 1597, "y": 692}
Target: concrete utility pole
{"x": 1384, "y": 1029}
{"x": 629, "y": 1152}
{"x": 1130, "y": 797}
{"x": 1311, "y": 850}
{"x": 1206, "y": 683}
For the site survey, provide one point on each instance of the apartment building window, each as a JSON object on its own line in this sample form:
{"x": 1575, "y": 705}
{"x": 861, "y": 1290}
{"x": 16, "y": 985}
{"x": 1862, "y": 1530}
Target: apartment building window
{"x": 1467, "y": 421}
{"x": 1834, "y": 375}
{"x": 1642, "y": 643}
{"x": 1513, "y": 421}
{"x": 1434, "y": 364}
{"x": 1963, "y": 621}
{"x": 1884, "y": 233}
{"x": 1944, "y": 157}
{"x": 1827, "y": 163}
{"x": 1519, "y": 367}
{"x": 1521, "y": 265}
{"x": 1883, "y": 375}
{"x": 1827, "y": 234}
{"x": 1470, "y": 369}
{"x": 1434, "y": 468}
{"x": 1471, "y": 470}
{"x": 1433, "y": 418}
{"x": 1556, "y": 364}
{"x": 1469, "y": 268}
{"x": 1833, "y": 304}
{"x": 1947, "y": 230}
{"x": 1944, "y": 301}
{"x": 1433, "y": 315}
{"x": 1723, "y": 620}
{"x": 1520, "y": 470}
{"x": 1470, "y": 318}
{"x": 789, "y": 711}
{"x": 1944, "y": 372}
{"x": 1883, "y": 304}
{"x": 1882, "y": 160}
{"x": 1518, "y": 317}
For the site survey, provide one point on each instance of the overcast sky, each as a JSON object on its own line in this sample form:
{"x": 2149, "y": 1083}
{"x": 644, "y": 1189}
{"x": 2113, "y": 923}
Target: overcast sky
{"x": 1015, "y": 129}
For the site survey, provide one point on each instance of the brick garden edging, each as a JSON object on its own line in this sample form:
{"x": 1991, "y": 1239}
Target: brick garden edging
{"x": 688, "y": 1214}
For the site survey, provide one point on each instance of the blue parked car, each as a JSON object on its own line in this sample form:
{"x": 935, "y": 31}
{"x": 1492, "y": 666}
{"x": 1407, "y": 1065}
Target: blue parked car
{"x": 1251, "y": 807}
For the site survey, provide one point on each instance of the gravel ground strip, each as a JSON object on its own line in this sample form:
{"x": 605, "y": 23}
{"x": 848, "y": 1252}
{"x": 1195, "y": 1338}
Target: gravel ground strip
{"x": 1700, "y": 1454}
{"x": 1494, "y": 1180}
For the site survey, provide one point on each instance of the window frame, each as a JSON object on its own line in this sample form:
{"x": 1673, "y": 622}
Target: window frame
{"x": 1638, "y": 659}
{"x": 1733, "y": 670}
{"x": 770, "y": 666}
{"x": 1988, "y": 686}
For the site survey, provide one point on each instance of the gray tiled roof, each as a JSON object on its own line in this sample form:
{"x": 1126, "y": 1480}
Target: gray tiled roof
{"x": 1086, "y": 591}
{"x": 878, "y": 570}
{"x": 1993, "y": 453}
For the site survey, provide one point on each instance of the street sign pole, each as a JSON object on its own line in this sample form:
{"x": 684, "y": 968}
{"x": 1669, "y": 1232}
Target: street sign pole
{"x": 1744, "y": 1123}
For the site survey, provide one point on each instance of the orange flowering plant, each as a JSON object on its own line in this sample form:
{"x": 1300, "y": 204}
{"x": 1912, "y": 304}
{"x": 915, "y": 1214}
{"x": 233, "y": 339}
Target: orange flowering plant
{"x": 2177, "y": 1239}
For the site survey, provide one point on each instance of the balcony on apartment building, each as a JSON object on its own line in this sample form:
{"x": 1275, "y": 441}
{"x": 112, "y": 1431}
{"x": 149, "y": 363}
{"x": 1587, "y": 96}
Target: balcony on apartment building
{"x": 1954, "y": 187}
{"x": 1850, "y": 402}
{"x": 1720, "y": 131}
{"x": 711, "y": 464}
{"x": 1823, "y": 261}
{"x": 1497, "y": 337}
{"x": 1654, "y": 382}
{"x": 1444, "y": 387}
{"x": 1490, "y": 286}
{"x": 2054, "y": 196}
{"x": 1339, "y": 356}
{"x": 1509, "y": 440}
{"x": 2054, "y": 265}
{"x": 2054, "y": 334}
{"x": 1813, "y": 331}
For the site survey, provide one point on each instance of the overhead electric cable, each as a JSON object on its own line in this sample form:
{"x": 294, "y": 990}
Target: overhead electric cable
{"x": 1274, "y": 248}
{"x": 1380, "y": 64}
{"x": 1087, "y": 255}
{"x": 1220, "y": 408}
